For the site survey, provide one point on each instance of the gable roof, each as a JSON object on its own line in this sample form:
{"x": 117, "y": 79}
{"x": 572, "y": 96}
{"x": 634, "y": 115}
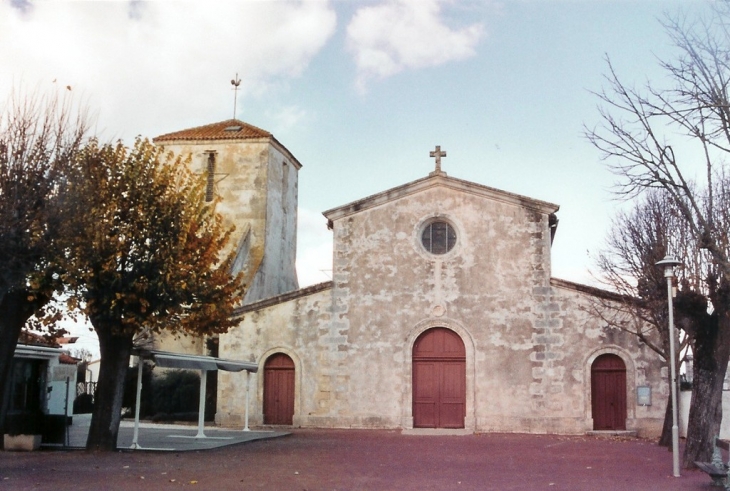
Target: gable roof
{"x": 435, "y": 179}
{"x": 230, "y": 129}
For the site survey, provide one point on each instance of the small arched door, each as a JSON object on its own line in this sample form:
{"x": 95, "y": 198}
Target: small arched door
{"x": 278, "y": 390}
{"x": 608, "y": 393}
{"x": 439, "y": 380}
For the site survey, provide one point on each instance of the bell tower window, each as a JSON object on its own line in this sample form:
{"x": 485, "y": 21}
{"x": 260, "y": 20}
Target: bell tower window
{"x": 210, "y": 178}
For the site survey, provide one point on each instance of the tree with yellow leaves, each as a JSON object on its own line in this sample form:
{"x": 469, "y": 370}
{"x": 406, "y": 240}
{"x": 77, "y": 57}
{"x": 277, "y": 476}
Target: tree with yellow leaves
{"x": 147, "y": 257}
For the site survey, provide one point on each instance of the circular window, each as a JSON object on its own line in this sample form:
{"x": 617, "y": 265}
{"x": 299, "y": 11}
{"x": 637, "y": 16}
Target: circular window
{"x": 438, "y": 237}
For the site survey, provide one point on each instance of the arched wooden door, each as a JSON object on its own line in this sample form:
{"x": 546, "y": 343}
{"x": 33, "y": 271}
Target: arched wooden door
{"x": 608, "y": 393}
{"x": 278, "y": 390}
{"x": 439, "y": 380}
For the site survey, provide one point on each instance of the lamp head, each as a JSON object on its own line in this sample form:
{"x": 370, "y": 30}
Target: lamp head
{"x": 669, "y": 263}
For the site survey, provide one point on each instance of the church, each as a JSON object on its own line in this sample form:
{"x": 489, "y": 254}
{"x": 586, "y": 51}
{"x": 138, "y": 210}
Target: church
{"x": 441, "y": 313}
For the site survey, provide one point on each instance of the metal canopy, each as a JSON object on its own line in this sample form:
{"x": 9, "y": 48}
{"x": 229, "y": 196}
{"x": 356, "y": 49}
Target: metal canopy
{"x": 168, "y": 359}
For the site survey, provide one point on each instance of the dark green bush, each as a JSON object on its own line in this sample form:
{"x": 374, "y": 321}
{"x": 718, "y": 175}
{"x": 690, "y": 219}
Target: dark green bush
{"x": 130, "y": 391}
{"x": 176, "y": 391}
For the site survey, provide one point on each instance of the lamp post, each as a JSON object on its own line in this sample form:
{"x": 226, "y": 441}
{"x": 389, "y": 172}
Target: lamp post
{"x": 669, "y": 263}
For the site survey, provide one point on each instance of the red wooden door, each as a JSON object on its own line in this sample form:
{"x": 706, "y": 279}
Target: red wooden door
{"x": 608, "y": 393}
{"x": 439, "y": 380}
{"x": 278, "y": 390}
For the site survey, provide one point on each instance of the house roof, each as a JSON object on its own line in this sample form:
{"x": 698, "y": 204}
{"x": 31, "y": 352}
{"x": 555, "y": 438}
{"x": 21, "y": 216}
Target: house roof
{"x": 433, "y": 180}
{"x": 230, "y": 129}
{"x": 33, "y": 339}
{"x": 30, "y": 344}
{"x": 66, "y": 359}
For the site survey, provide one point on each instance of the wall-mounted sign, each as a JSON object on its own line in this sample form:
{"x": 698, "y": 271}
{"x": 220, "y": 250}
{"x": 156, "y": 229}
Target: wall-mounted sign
{"x": 643, "y": 396}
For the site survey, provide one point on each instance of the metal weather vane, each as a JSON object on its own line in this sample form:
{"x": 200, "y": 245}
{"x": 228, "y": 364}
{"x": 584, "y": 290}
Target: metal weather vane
{"x": 235, "y": 82}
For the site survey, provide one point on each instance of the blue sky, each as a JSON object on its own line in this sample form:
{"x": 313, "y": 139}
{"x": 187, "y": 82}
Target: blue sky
{"x": 361, "y": 91}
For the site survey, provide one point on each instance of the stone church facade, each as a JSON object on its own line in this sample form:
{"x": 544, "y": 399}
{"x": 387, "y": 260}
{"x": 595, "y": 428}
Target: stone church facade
{"x": 441, "y": 313}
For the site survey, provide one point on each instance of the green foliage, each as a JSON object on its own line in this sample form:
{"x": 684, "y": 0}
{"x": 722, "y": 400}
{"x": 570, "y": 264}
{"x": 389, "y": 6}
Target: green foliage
{"x": 25, "y": 423}
{"x": 168, "y": 395}
{"x": 130, "y": 390}
{"x": 176, "y": 391}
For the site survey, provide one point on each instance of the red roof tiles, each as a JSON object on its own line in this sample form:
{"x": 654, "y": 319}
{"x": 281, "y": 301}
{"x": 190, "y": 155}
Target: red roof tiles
{"x": 33, "y": 339}
{"x": 66, "y": 359}
{"x": 232, "y": 129}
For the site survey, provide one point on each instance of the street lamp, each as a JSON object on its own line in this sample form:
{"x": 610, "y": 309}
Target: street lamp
{"x": 669, "y": 263}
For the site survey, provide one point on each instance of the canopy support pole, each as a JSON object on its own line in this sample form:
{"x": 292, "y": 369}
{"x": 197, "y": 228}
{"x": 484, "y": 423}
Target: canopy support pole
{"x": 135, "y": 438}
{"x": 248, "y": 389}
{"x": 201, "y": 404}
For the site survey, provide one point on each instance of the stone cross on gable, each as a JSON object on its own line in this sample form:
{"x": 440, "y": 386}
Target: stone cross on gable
{"x": 438, "y": 154}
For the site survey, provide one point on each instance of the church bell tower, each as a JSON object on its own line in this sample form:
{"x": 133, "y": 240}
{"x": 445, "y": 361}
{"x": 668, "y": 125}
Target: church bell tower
{"x": 256, "y": 178}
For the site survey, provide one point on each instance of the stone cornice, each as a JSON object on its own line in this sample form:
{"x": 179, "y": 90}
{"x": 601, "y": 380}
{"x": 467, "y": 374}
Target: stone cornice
{"x": 438, "y": 179}
{"x": 284, "y": 297}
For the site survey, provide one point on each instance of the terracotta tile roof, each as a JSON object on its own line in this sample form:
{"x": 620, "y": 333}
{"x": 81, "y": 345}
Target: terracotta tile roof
{"x": 67, "y": 359}
{"x": 232, "y": 129}
{"x": 33, "y": 339}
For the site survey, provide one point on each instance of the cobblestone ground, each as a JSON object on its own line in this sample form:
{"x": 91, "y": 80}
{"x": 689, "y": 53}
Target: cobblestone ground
{"x": 364, "y": 460}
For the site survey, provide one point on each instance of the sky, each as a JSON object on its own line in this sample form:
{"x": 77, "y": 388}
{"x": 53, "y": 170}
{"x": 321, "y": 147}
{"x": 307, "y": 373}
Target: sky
{"x": 361, "y": 91}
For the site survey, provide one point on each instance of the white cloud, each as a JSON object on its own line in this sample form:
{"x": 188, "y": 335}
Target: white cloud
{"x": 406, "y": 34}
{"x": 286, "y": 118}
{"x": 148, "y": 65}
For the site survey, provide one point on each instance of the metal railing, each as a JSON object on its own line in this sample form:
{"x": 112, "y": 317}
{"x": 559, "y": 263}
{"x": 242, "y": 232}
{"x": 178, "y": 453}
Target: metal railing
{"x": 85, "y": 388}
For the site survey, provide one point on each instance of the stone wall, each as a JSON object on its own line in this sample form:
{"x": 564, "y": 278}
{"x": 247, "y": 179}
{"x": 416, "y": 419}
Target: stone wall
{"x": 293, "y": 326}
{"x": 257, "y": 180}
{"x": 584, "y": 338}
{"x": 529, "y": 342}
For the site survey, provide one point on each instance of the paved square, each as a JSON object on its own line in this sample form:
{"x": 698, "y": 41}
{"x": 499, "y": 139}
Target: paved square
{"x": 364, "y": 460}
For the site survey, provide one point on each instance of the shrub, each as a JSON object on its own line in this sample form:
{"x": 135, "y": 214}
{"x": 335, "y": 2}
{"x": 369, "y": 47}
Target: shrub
{"x": 176, "y": 391}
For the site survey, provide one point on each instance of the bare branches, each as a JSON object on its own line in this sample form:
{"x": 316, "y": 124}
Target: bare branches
{"x": 39, "y": 135}
{"x": 696, "y": 105}
{"x": 656, "y": 139}
{"x": 637, "y": 240}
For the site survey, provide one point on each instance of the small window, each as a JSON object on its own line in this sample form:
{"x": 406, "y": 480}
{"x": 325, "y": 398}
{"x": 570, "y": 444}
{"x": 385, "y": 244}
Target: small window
{"x": 438, "y": 237}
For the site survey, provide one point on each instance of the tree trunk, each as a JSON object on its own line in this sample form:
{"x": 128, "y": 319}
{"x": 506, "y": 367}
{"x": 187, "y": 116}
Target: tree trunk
{"x": 666, "y": 439}
{"x": 115, "y": 350}
{"x": 711, "y": 352}
{"x": 15, "y": 310}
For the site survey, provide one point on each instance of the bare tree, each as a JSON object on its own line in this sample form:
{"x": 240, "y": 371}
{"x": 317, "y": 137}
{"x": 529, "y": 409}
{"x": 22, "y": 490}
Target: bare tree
{"x": 82, "y": 354}
{"x": 692, "y": 112}
{"x": 636, "y": 241}
{"x": 39, "y": 136}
